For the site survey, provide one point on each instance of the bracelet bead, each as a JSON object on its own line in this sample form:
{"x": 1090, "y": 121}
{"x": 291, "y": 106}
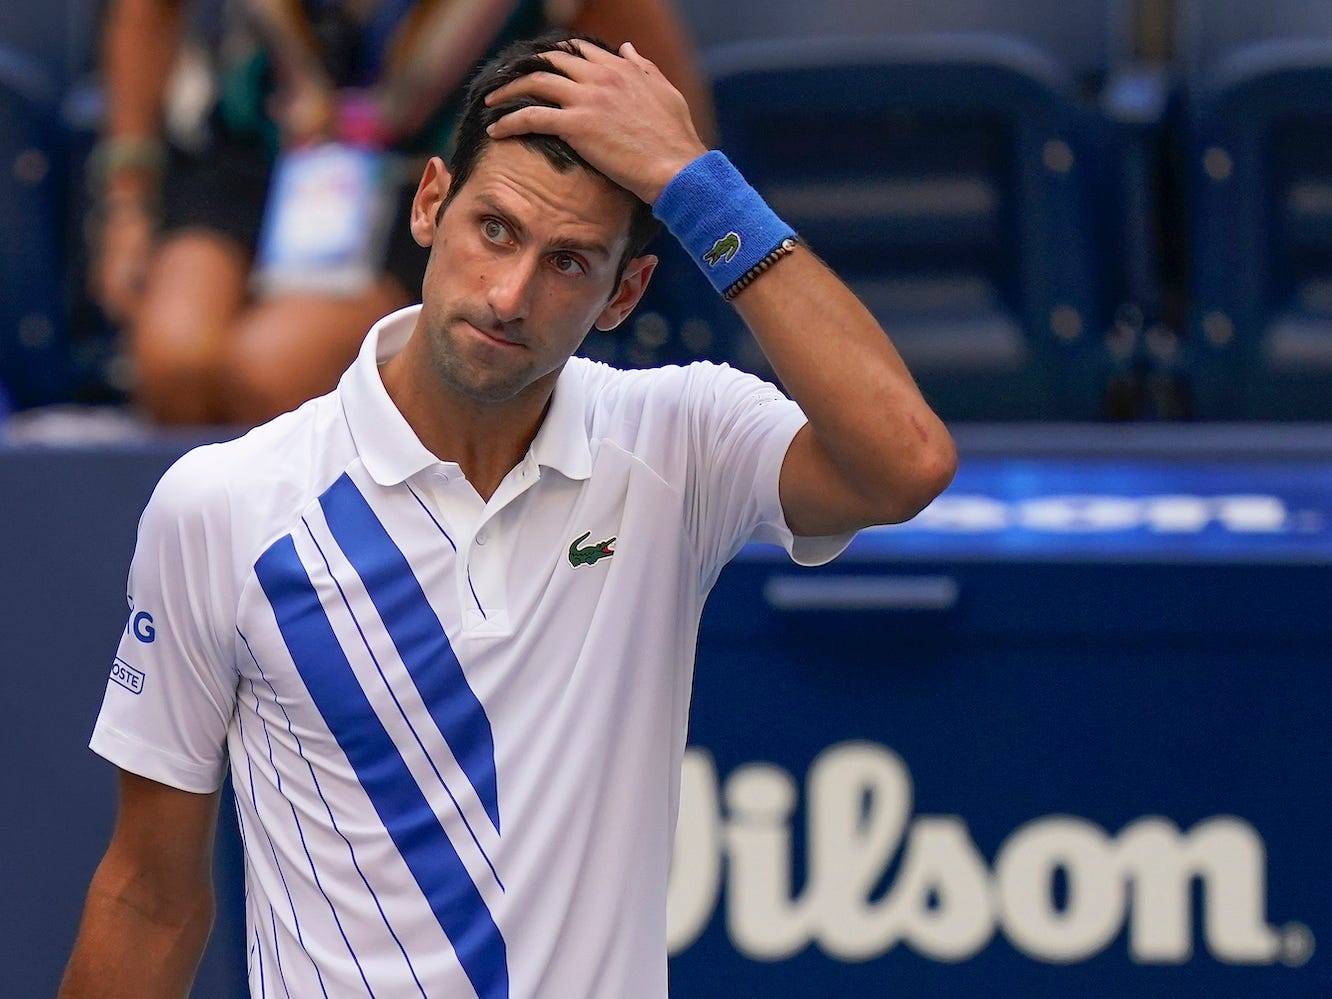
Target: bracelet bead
{"x": 748, "y": 278}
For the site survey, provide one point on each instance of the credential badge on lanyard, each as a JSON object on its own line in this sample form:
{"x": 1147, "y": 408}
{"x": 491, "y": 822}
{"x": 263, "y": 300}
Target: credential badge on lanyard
{"x": 326, "y": 221}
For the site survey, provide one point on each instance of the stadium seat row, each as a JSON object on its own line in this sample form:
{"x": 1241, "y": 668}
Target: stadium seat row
{"x": 1048, "y": 225}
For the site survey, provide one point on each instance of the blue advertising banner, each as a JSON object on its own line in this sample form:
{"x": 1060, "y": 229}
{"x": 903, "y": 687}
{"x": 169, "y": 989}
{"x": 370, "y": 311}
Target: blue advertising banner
{"x": 1065, "y": 733}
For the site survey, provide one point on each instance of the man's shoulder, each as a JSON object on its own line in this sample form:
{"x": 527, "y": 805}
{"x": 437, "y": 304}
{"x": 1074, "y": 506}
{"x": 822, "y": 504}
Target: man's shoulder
{"x": 668, "y": 392}
{"x": 266, "y": 468}
{"x": 665, "y": 385}
{"x": 664, "y": 415}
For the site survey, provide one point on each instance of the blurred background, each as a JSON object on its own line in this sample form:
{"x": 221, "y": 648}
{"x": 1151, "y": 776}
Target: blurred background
{"x": 1065, "y": 732}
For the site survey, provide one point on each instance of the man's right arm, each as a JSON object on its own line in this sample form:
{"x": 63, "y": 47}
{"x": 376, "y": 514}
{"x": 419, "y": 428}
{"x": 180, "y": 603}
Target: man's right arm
{"x": 150, "y": 904}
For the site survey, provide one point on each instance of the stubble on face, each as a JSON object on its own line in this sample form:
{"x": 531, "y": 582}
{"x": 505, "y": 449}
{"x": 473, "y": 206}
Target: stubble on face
{"x": 560, "y": 310}
{"x": 460, "y": 372}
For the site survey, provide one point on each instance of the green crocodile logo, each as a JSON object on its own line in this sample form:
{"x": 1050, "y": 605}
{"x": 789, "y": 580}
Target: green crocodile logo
{"x": 592, "y": 553}
{"x": 725, "y": 248}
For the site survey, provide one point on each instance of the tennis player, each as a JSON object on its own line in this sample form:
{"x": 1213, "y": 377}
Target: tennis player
{"x": 440, "y": 623}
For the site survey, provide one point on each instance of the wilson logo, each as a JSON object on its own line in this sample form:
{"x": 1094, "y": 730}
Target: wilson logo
{"x": 947, "y": 902}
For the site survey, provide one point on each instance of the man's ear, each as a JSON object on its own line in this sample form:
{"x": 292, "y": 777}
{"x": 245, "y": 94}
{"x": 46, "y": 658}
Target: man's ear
{"x": 637, "y": 273}
{"x": 430, "y": 194}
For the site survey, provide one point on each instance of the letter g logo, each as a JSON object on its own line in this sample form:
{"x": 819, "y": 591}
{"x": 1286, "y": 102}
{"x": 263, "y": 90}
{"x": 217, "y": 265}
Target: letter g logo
{"x": 144, "y": 630}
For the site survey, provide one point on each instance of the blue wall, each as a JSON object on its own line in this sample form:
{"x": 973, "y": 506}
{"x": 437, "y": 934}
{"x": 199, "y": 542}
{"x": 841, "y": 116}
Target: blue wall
{"x": 1112, "y": 655}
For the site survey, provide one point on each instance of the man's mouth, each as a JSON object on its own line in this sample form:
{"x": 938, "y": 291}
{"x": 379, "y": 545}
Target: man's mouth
{"x": 494, "y": 338}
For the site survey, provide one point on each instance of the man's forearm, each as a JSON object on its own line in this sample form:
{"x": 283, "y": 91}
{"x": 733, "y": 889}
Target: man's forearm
{"x": 866, "y": 415}
{"x": 128, "y": 947}
{"x": 838, "y": 364}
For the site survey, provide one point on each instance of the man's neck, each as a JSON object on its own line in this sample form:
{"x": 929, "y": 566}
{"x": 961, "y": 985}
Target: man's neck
{"x": 486, "y": 439}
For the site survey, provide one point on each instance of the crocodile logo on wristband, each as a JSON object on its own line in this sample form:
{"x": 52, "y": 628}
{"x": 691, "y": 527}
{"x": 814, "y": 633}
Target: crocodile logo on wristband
{"x": 724, "y": 249}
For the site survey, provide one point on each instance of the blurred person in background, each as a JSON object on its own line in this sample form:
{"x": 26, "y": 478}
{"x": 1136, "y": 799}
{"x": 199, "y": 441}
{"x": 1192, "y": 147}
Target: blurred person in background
{"x": 197, "y": 116}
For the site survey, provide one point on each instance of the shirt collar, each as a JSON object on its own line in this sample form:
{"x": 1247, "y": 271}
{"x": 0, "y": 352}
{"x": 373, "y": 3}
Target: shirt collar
{"x": 389, "y": 447}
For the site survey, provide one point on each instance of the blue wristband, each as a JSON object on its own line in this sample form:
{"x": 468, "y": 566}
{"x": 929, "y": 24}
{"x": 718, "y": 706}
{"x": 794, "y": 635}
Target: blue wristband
{"x": 719, "y": 219}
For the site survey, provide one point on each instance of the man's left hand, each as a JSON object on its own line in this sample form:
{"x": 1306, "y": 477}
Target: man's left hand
{"x": 617, "y": 111}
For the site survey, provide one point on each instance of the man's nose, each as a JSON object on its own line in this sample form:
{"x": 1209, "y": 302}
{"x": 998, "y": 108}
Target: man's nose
{"x": 510, "y": 287}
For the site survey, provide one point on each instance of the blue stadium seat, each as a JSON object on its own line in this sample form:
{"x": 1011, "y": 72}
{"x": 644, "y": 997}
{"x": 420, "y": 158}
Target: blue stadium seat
{"x": 948, "y": 178}
{"x": 1210, "y": 32}
{"x": 56, "y": 36}
{"x": 48, "y": 351}
{"x": 1087, "y": 38}
{"x": 1259, "y": 81}
{"x": 32, "y": 364}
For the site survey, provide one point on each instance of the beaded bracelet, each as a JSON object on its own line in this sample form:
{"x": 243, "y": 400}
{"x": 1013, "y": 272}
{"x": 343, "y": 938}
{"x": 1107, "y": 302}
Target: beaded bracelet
{"x": 116, "y": 153}
{"x": 748, "y": 278}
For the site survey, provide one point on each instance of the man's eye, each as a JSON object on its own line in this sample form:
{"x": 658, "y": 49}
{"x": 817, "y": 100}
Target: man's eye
{"x": 563, "y": 258}
{"x": 493, "y": 229}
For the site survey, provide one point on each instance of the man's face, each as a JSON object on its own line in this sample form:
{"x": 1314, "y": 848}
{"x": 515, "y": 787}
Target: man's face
{"x": 521, "y": 266}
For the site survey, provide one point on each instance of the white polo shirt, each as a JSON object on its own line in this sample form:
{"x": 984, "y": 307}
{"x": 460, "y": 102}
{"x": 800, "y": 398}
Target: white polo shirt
{"x": 454, "y": 727}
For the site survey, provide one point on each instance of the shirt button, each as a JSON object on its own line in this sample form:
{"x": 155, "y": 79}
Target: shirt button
{"x": 482, "y": 537}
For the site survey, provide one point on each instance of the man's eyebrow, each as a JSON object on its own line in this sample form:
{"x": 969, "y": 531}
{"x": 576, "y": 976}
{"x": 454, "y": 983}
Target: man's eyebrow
{"x": 570, "y": 243}
{"x": 586, "y": 246}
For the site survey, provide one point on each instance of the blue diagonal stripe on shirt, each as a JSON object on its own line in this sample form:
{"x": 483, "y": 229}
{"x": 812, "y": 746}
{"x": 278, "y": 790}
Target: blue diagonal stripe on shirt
{"x": 417, "y": 634}
{"x": 411, "y": 823}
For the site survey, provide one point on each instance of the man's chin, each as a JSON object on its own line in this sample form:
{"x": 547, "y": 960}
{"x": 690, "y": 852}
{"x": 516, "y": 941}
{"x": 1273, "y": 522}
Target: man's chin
{"x": 488, "y": 381}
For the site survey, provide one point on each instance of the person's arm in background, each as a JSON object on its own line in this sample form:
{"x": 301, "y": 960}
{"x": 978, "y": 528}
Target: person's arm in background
{"x": 438, "y": 43}
{"x": 150, "y": 904}
{"x": 139, "y": 45}
{"x": 306, "y": 107}
{"x": 445, "y": 39}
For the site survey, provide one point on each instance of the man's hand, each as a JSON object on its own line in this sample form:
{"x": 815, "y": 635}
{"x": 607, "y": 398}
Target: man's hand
{"x": 617, "y": 111}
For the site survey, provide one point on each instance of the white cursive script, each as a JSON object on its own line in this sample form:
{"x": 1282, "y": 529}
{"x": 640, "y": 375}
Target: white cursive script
{"x": 946, "y": 902}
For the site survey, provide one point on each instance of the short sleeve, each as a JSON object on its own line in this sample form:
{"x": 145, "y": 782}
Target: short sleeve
{"x": 172, "y": 688}
{"x": 740, "y": 428}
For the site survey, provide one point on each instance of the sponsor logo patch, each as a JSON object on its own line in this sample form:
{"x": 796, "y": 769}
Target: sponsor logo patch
{"x": 592, "y": 553}
{"x": 724, "y": 249}
{"x": 127, "y": 676}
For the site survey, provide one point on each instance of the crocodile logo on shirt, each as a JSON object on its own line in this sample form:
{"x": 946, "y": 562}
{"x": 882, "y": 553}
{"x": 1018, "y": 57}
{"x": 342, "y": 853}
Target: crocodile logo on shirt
{"x": 592, "y": 553}
{"x": 725, "y": 248}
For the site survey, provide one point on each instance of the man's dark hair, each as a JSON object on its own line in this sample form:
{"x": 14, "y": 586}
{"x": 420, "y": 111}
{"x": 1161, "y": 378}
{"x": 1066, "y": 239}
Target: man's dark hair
{"x": 515, "y": 60}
